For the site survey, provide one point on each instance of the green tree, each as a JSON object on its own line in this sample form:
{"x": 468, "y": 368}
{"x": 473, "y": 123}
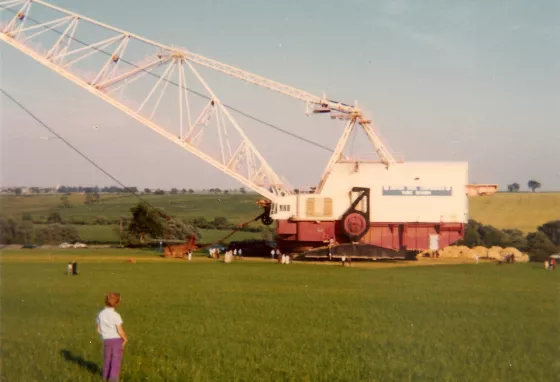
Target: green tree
{"x": 191, "y": 191}
{"x": 242, "y": 190}
{"x": 65, "y": 202}
{"x": 18, "y": 191}
{"x": 174, "y": 191}
{"x": 533, "y": 185}
{"x": 514, "y": 187}
{"x": 88, "y": 199}
{"x": 540, "y": 246}
{"x": 147, "y": 191}
{"x": 515, "y": 238}
{"x": 472, "y": 237}
{"x": 201, "y": 222}
{"x": 56, "y": 234}
{"x": 13, "y": 231}
{"x": 491, "y": 236}
{"x": 552, "y": 231}
{"x": 220, "y": 222}
{"x": 54, "y": 217}
{"x": 150, "y": 222}
{"x": 178, "y": 230}
{"x": 146, "y": 221}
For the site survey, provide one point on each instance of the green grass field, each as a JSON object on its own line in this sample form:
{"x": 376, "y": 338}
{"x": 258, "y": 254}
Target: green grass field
{"x": 258, "y": 321}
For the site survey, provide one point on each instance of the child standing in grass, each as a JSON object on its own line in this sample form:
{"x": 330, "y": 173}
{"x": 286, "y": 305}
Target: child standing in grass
{"x": 109, "y": 326}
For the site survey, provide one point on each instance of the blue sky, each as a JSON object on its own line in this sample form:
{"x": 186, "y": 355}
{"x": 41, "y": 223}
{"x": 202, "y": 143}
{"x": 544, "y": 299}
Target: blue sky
{"x": 474, "y": 80}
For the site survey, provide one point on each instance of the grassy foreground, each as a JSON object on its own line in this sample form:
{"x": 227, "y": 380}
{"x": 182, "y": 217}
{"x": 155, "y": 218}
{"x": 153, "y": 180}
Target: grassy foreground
{"x": 258, "y": 321}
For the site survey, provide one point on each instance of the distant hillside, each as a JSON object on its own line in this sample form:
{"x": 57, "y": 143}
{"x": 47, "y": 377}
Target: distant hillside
{"x": 524, "y": 211}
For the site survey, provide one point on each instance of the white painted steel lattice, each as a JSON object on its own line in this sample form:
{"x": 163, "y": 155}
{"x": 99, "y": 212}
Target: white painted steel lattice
{"x": 133, "y": 74}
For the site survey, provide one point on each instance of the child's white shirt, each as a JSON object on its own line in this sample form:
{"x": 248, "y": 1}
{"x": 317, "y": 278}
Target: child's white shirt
{"x": 108, "y": 320}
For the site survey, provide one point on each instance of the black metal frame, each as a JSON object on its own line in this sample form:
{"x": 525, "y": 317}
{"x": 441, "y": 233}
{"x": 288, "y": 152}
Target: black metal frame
{"x": 364, "y": 193}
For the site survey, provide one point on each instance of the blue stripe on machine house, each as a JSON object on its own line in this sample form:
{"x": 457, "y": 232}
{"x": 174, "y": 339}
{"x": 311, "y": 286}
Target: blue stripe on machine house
{"x": 417, "y": 191}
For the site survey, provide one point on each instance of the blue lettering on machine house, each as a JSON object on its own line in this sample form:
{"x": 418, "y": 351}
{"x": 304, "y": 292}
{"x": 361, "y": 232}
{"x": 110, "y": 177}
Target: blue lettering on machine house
{"x": 417, "y": 191}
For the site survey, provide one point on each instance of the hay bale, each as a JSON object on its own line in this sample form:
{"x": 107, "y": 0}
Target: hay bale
{"x": 465, "y": 251}
{"x": 495, "y": 254}
{"x": 456, "y": 251}
{"x": 523, "y": 259}
{"x": 449, "y": 252}
{"x": 481, "y": 251}
{"x": 514, "y": 251}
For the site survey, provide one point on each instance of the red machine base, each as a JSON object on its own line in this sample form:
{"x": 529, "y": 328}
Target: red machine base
{"x": 297, "y": 236}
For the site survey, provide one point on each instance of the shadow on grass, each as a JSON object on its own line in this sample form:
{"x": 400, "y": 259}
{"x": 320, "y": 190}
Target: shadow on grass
{"x": 88, "y": 365}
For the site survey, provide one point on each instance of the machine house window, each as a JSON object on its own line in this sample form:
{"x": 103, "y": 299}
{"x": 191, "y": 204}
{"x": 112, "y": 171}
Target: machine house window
{"x": 319, "y": 207}
{"x": 284, "y": 207}
{"x": 276, "y": 208}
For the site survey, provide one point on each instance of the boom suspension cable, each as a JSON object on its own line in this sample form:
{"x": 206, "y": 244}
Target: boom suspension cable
{"x": 26, "y": 110}
{"x": 256, "y": 119}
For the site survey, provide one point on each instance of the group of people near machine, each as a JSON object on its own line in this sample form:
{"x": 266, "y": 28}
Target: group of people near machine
{"x": 229, "y": 255}
{"x": 282, "y": 258}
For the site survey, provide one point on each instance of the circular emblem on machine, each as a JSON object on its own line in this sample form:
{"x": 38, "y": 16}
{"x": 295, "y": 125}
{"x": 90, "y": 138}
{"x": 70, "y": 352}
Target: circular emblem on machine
{"x": 355, "y": 225}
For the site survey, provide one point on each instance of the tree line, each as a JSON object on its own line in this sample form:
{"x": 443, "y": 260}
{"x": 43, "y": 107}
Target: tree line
{"x": 147, "y": 223}
{"x": 143, "y": 224}
{"x": 115, "y": 190}
{"x": 539, "y": 244}
{"x": 533, "y": 185}
{"x": 13, "y": 231}
{"x": 200, "y": 222}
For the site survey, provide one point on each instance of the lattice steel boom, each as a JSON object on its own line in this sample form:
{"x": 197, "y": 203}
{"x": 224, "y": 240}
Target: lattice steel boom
{"x": 111, "y": 68}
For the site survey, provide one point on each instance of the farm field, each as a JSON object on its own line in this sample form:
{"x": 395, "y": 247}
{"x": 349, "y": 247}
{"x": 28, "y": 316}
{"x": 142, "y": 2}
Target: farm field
{"x": 255, "y": 320}
{"x": 524, "y": 211}
{"x": 107, "y": 234}
{"x": 237, "y": 208}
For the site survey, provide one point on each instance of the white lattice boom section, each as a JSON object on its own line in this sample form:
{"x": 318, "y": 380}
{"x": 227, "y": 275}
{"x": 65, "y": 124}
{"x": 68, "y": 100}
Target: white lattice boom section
{"x": 134, "y": 75}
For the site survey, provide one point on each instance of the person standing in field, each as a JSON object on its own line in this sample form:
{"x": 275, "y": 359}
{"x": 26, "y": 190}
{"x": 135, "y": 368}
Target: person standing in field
{"x": 69, "y": 269}
{"x": 109, "y": 326}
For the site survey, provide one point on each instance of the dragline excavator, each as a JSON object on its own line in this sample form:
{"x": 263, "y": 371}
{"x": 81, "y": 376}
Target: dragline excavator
{"x": 381, "y": 208}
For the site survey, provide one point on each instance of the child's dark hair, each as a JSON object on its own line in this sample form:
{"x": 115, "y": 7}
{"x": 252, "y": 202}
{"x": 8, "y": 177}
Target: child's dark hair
{"x": 112, "y": 299}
